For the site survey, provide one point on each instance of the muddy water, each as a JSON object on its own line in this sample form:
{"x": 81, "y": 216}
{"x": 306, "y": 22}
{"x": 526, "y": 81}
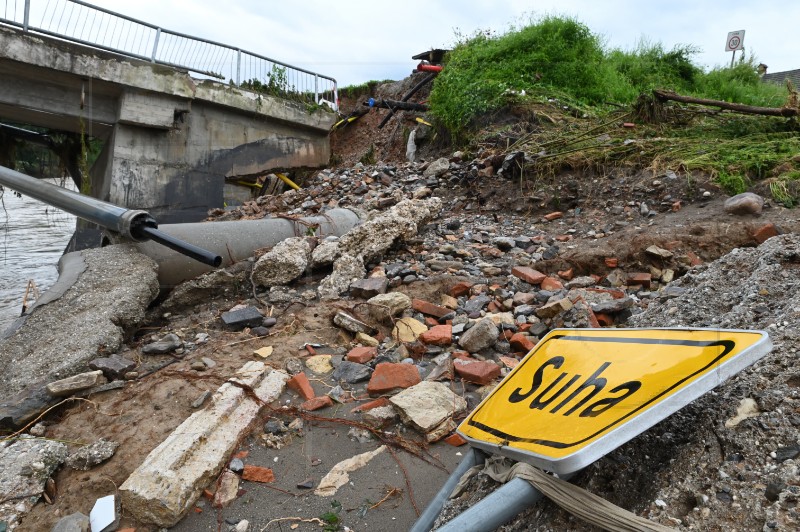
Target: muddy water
{"x": 32, "y": 238}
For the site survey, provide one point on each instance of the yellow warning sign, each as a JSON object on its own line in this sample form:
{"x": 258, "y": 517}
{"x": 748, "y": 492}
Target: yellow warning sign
{"x": 577, "y": 387}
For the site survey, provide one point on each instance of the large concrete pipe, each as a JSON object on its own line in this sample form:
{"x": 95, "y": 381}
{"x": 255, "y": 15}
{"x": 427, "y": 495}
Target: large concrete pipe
{"x": 235, "y": 240}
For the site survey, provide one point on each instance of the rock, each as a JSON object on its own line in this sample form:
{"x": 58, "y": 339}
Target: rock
{"x": 319, "y": 364}
{"x": 167, "y": 344}
{"x": 384, "y": 307}
{"x": 437, "y": 167}
{"x": 529, "y": 275}
{"x": 76, "y": 522}
{"x": 380, "y": 416}
{"x": 243, "y": 317}
{"x": 407, "y": 330}
{"x": 349, "y": 323}
{"x": 227, "y": 489}
{"x": 553, "y": 309}
{"x": 480, "y": 336}
{"x": 368, "y": 288}
{"x": 745, "y": 203}
{"x": 324, "y": 254}
{"x": 427, "y": 404}
{"x": 242, "y": 526}
{"x": 659, "y": 253}
{"x": 367, "y": 340}
{"x": 580, "y": 282}
{"x": 300, "y": 384}
{"x": 346, "y": 270}
{"x": 282, "y": 264}
{"x": 114, "y": 367}
{"x": 477, "y": 303}
{"x": 254, "y": 473}
{"x": 92, "y": 455}
{"x": 441, "y": 335}
{"x": 351, "y": 372}
{"x": 197, "y": 403}
{"x": 362, "y": 355}
{"x": 523, "y": 298}
{"x": 476, "y": 371}
{"x": 612, "y": 306}
{"x": 504, "y": 243}
{"x": 389, "y": 377}
{"x": 76, "y": 383}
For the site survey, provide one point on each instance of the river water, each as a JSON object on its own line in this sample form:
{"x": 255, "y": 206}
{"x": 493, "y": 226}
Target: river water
{"x": 33, "y": 236}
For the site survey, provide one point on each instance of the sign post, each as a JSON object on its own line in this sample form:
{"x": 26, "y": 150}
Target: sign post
{"x": 735, "y": 42}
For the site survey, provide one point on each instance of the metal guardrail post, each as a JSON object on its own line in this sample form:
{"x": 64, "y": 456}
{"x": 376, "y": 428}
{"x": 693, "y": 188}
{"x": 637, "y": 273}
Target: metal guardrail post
{"x": 27, "y": 15}
{"x": 238, "y": 67}
{"x": 155, "y": 45}
{"x": 316, "y": 88}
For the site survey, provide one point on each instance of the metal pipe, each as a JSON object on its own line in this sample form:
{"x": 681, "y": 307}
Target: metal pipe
{"x": 425, "y": 521}
{"x": 27, "y": 15}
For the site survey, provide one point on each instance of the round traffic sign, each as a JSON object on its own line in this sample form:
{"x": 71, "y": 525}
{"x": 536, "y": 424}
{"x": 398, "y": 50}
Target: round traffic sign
{"x": 734, "y": 42}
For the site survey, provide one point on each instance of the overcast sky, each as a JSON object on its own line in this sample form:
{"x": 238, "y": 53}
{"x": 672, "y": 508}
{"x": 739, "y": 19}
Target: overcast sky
{"x": 356, "y": 41}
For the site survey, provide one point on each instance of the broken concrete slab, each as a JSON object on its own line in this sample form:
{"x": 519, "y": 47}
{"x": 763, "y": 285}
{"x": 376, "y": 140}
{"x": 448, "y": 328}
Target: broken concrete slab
{"x": 338, "y": 476}
{"x": 282, "y": 264}
{"x": 111, "y": 292}
{"x": 350, "y": 323}
{"x": 346, "y": 270}
{"x": 92, "y": 455}
{"x": 384, "y": 307}
{"x": 163, "y": 488}
{"x": 427, "y": 404}
{"x": 25, "y": 466}
{"x": 76, "y": 383}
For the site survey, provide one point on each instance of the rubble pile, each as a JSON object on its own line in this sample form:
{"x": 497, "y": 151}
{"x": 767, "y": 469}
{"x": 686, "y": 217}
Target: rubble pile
{"x": 395, "y": 330}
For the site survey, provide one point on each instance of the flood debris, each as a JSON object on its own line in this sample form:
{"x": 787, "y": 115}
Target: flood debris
{"x": 338, "y": 476}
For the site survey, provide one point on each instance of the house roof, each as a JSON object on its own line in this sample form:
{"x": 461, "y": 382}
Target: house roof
{"x": 780, "y": 77}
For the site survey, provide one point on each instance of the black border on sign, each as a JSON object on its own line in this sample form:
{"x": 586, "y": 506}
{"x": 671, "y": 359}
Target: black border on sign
{"x": 728, "y": 345}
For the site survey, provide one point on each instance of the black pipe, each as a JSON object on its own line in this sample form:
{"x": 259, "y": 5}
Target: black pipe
{"x": 427, "y": 79}
{"x": 134, "y": 224}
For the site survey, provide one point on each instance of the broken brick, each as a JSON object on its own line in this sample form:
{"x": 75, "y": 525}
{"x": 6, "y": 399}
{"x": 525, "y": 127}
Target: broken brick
{"x": 441, "y": 335}
{"x": 694, "y": 260}
{"x": 389, "y": 377}
{"x": 375, "y": 403}
{"x": 529, "y": 275}
{"x": 420, "y": 305}
{"x": 362, "y": 355}
{"x": 605, "y": 320}
{"x": 768, "y": 230}
{"x": 317, "y": 403}
{"x": 553, "y": 216}
{"x": 521, "y": 342}
{"x": 509, "y": 362}
{"x": 476, "y": 371}
{"x": 431, "y": 322}
{"x": 258, "y": 474}
{"x": 455, "y": 439}
{"x": 612, "y": 262}
{"x": 567, "y": 275}
{"x": 551, "y": 284}
{"x": 299, "y": 383}
{"x": 642, "y": 279}
{"x": 460, "y": 289}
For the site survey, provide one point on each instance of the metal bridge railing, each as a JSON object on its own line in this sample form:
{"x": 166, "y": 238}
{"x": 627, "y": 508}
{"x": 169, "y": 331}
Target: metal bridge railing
{"x": 83, "y": 23}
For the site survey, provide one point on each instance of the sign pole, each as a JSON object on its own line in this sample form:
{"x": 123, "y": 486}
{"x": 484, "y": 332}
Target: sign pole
{"x": 733, "y": 56}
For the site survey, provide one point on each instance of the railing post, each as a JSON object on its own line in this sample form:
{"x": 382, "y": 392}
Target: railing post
{"x": 238, "y": 67}
{"x": 316, "y": 88}
{"x": 26, "y": 20}
{"x": 155, "y": 45}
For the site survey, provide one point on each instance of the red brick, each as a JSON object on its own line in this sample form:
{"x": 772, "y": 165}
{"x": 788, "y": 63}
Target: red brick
{"x": 612, "y": 262}
{"x": 455, "y": 439}
{"x": 768, "y": 230}
{"x": 420, "y": 305}
{"x": 476, "y": 371}
{"x": 299, "y": 383}
{"x": 605, "y": 320}
{"x": 460, "y": 289}
{"x": 509, "y": 362}
{"x": 375, "y": 403}
{"x": 241, "y": 455}
{"x": 640, "y": 279}
{"x": 317, "y": 403}
{"x": 493, "y": 307}
{"x": 389, "y": 377}
{"x": 258, "y": 474}
{"x": 459, "y": 354}
{"x": 552, "y": 284}
{"x": 525, "y": 327}
{"x": 441, "y": 335}
{"x": 567, "y": 275}
{"x": 564, "y": 238}
{"x": 431, "y": 322}
{"x": 694, "y": 260}
{"x": 529, "y": 275}
{"x": 553, "y": 216}
{"x": 506, "y": 334}
{"x": 362, "y": 355}
{"x": 522, "y": 342}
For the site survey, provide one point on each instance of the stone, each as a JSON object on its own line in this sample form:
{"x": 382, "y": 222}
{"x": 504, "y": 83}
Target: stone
{"x": 443, "y": 429}
{"x": 407, "y": 330}
{"x": 227, "y": 489}
{"x": 240, "y": 318}
{"x": 242, "y": 526}
{"x": 523, "y": 298}
{"x": 449, "y": 302}
{"x": 351, "y": 372}
{"x": 300, "y": 384}
{"x": 76, "y": 383}
{"x": 317, "y": 403}
{"x": 380, "y": 416}
{"x": 743, "y": 204}
{"x": 613, "y": 306}
{"x": 370, "y": 287}
{"x": 367, "y": 340}
{"x": 437, "y": 167}
{"x": 504, "y": 243}
{"x": 167, "y": 344}
{"x": 362, "y": 355}
{"x": 389, "y": 377}
{"x": 429, "y": 309}
{"x": 527, "y": 274}
{"x": 27, "y": 463}
{"x": 764, "y": 232}
{"x": 254, "y": 473}
{"x": 477, "y": 303}
{"x": 172, "y": 477}
{"x": 580, "y": 282}
{"x": 427, "y": 404}
{"x": 325, "y": 253}
{"x": 476, "y": 371}
{"x": 441, "y": 335}
{"x": 554, "y": 308}
{"x": 384, "y": 307}
{"x": 346, "y": 270}
{"x": 349, "y": 323}
{"x": 76, "y": 522}
{"x": 319, "y": 364}
{"x": 114, "y": 367}
{"x": 264, "y": 352}
{"x": 480, "y": 336}
{"x": 94, "y": 454}
{"x": 283, "y": 263}
{"x": 659, "y": 253}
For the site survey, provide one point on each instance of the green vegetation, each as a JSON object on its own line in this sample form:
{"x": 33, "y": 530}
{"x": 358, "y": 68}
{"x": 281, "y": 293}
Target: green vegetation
{"x": 554, "y": 70}
{"x": 362, "y": 89}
